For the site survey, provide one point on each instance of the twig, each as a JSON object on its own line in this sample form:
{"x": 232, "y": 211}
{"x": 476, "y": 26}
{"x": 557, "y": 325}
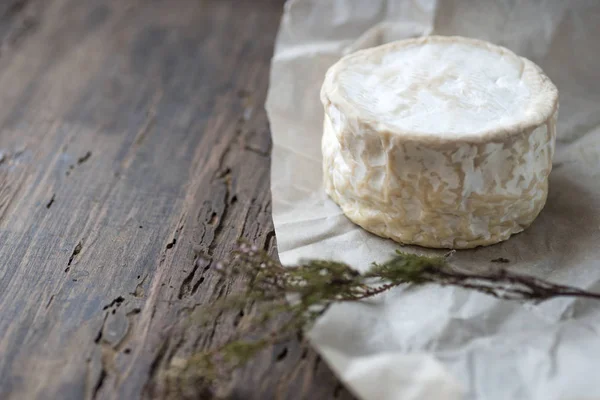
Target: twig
{"x": 317, "y": 284}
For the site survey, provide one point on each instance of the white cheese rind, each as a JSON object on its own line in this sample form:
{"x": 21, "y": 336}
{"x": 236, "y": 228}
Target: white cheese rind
{"x": 439, "y": 188}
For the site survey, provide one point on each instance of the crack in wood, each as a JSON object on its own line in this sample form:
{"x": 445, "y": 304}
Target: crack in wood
{"x": 50, "y": 302}
{"x": 171, "y": 244}
{"x": 84, "y": 158}
{"x": 213, "y": 330}
{"x": 116, "y": 302}
{"x": 221, "y": 171}
{"x": 134, "y": 311}
{"x": 213, "y": 218}
{"x": 185, "y": 288}
{"x": 197, "y": 284}
{"x": 238, "y": 318}
{"x": 221, "y": 174}
{"x": 107, "y": 359}
{"x": 98, "y": 337}
{"x": 227, "y": 203}
{"x": 269, "y": 239}
{"x": 75, "y": 253}
{"x": 49, "y": 204}
{"x": 204, "y": 226}
{"x": 282, "y": 354}
{"x": 99, "y": 383}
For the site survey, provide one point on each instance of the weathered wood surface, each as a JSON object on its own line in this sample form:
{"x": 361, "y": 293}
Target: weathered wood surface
{"x": 134, "y": 151}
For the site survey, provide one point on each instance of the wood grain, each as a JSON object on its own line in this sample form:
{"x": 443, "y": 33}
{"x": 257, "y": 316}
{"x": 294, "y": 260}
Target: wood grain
{"x": 134, "y": 152}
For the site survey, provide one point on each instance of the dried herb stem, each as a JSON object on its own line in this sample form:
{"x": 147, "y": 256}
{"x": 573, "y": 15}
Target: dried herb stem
{"x": 291, "y": 299}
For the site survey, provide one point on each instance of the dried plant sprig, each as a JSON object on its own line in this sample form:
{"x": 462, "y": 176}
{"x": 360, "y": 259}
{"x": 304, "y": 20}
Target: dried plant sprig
{"x": 288, "y": 300}
{"x": 499, "y": 282}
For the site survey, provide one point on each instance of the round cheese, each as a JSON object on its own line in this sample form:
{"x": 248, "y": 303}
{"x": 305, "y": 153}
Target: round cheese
{"x": 443, "y": 142}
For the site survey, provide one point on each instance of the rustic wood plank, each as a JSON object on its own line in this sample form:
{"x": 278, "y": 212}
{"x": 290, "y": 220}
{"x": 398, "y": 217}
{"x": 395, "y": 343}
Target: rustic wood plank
{"x": 134, "y": 151}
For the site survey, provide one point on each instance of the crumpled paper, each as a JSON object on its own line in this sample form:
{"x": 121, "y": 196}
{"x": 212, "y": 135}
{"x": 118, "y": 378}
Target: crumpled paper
{"x": 446, "y": 343}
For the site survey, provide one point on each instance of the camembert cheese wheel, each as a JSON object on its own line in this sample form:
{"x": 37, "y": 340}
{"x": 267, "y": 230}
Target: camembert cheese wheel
{"x": 443, "y": 142}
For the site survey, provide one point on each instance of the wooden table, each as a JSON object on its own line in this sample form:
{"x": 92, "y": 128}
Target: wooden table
{"x": 134, "y": 151}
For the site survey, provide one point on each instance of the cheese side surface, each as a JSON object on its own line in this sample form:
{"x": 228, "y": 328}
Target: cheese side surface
{"x": 443, "y": 142}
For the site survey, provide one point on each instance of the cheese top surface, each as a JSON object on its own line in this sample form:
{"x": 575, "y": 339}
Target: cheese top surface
{"x": 443, "y": 86}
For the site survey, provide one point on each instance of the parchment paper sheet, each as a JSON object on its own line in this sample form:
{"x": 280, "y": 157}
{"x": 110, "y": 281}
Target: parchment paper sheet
{"x": 446, "y": 343}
